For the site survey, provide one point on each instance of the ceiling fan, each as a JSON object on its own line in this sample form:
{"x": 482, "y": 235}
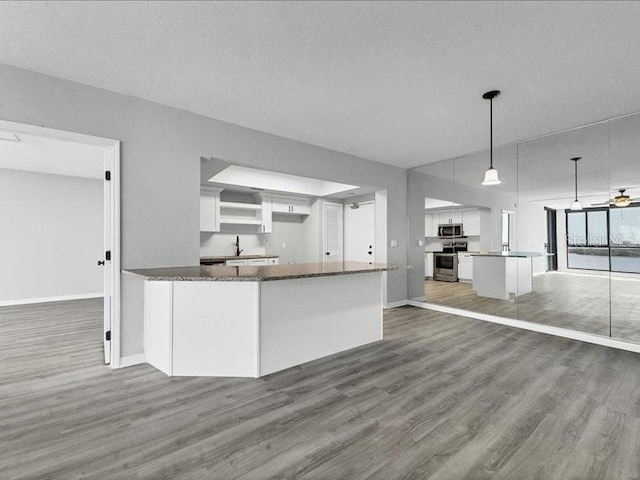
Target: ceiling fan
{"x": 620, "y": 201}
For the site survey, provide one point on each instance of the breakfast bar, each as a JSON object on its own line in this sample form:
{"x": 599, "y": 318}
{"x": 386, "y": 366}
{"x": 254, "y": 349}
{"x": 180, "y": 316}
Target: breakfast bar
{"x": 252, "y": 321}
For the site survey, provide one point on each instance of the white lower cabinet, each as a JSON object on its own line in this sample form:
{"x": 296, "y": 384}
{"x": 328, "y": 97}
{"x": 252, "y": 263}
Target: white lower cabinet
{"x": 465, "y": 267}
{"x": 252, "y": 262}
{"x": 428, "y": 265}
{"x": 236, "y": 263}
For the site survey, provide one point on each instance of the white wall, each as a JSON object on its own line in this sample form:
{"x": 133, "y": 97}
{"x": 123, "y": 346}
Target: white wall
{"x": 52, "y": 235}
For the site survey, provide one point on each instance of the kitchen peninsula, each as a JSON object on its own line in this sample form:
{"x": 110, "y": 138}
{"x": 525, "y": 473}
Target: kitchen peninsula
{"x": 251, "y": 321}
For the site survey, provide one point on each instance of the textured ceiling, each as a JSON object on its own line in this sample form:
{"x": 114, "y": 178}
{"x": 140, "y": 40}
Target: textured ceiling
{"x": 396, "y": 82}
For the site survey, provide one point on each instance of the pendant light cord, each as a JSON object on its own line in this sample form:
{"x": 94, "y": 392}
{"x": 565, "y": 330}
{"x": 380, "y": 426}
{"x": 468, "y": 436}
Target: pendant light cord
{"x": 576, "y": 177}
{"x": 491, "y": 133}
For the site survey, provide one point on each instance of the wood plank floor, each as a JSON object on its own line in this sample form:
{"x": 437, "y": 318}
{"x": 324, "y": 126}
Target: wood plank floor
{"x": 442, "y": 397}
{"x": 586, "y": 303}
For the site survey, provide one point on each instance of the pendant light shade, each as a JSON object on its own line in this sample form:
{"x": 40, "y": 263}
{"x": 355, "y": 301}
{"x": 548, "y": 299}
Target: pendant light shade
{"x": 576, "y": 205}
{"x": 491, "y": 175}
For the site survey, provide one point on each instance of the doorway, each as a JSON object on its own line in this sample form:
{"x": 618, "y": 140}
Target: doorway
{"x": 109, "y": 257}
{"x": 332, "y": 238}
{"x": 359, "y": 232}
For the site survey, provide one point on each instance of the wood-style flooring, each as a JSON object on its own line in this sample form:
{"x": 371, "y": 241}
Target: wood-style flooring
{"x": 442, "y": 397}
{"x": 587, "y": 303}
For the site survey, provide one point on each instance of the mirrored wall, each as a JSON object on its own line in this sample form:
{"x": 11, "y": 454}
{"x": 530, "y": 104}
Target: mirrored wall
{"x": 557, "y": 242}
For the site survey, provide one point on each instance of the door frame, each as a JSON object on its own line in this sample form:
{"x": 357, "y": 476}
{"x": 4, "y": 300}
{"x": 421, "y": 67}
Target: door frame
{"x": 111, "y": 163}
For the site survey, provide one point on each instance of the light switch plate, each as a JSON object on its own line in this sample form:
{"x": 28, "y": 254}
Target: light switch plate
{"x": 421, "y": 243}
{"x": 394, "y": 243}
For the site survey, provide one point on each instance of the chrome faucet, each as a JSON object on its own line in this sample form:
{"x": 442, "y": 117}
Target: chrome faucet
{"x": 238, "y": 251}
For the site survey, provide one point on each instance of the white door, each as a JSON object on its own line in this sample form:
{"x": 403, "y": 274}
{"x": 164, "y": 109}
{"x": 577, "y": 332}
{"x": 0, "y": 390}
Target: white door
{"x": 107, "y": 263}
{"x": 332, "y": 232}
{"x": 359, "y": 232}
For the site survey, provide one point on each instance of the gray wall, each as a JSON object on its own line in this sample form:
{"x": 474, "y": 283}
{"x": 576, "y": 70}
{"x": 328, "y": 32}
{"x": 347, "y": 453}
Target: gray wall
{"x": 52, "y": 235}
{"x": 161, "y": 150}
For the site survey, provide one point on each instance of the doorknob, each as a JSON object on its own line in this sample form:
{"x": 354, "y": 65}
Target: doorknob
{"x": 369, "y": 252}
{"x": 328, "y": 253}
{"x": 100, "y": 262}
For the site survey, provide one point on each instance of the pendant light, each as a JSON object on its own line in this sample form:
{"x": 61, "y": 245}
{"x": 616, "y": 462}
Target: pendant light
{"x": 491, "y": 175}
{"x": 576, "y": 205}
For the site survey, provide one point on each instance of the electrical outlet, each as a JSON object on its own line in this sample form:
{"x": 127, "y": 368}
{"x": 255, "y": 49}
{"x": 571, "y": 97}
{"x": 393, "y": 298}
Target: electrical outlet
{"x": 421, "y": 243}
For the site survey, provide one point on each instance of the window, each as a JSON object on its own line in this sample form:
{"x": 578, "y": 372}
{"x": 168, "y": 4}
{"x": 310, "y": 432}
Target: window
{"x": 625, "y": 239}
{"x": 506, "y": 230}
{"x": 588, "y": 239}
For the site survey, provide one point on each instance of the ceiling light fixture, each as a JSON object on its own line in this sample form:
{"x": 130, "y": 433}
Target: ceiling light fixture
{"x": 622, "y": 200}
{"x": 491, "y": 175}
{"x": 576, "y": 205}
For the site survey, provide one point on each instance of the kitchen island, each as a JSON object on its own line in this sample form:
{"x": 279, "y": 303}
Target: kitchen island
{"x": 253, "y": 321}
{"x": 503, "y": 275}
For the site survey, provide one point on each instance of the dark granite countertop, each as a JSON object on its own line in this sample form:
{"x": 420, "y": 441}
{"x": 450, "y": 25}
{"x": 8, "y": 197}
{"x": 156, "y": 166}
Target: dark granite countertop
{"x": 235, "y": 257}
{"x": 509, "y": 254}
{"x": 223, "y": 273}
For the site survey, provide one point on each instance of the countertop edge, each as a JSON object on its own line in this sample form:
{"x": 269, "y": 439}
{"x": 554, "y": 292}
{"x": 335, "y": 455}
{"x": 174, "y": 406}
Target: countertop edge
{"x": 255, "y": 278}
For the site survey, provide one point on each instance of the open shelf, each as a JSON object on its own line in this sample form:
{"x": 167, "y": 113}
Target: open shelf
{"x": 240, "y": 206}
{"x": 241, "y": 220}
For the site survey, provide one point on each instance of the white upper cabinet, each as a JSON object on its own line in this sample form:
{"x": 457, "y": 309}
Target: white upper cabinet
{"x": 471, "y": 222}
{"x": 209, "y": 210}
{"x": 431, "y": 225}
{"x": 450, "y": 216}
{"x": 266, "y": 216}
{"x": 291, "y": 205}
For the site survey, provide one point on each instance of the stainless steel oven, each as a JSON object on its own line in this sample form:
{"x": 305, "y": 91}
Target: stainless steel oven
{"x": 445, "y": 263}
{"x": 450, "y": 230}
{"x": 445, "y": 267}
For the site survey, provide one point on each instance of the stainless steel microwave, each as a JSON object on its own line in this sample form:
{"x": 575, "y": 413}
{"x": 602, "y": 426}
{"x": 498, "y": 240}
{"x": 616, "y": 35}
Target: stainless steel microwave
{"x": 450, "y": 230}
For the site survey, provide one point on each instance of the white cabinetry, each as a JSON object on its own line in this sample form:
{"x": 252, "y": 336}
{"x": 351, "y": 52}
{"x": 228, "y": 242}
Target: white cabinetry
{"x": 252, "y": 262}
{"x": 236, "y": 263}
{"x": 465, "y": 267}
{"x": 266, "y": 217}
{"x": 209, "y": 210}
{"x": 291, "y": 205}
{"x": 451, "y": 216}
{"x": 428, "y": 265}
{"x": 471, "y": 222}
{"x": 431, "y": 225}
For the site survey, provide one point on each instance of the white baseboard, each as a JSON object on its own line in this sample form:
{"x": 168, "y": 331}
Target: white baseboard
{"x": 132, "y": 360}
{"x": 534, "y": 327}
{"x": 27, "y": 301}
{"x": 399, "y": 303}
